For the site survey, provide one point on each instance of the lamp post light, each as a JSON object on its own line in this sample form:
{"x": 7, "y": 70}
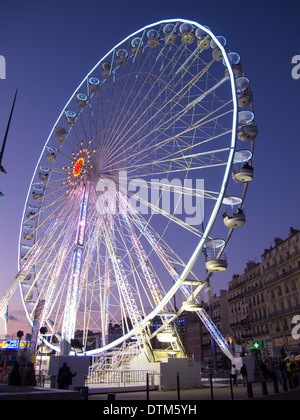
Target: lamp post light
{"x": 19, "y": 335}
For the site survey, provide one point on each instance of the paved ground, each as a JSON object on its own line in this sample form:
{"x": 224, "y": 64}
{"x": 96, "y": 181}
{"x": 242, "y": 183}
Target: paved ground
{"x": 155, "y": 396}
{"x": 9, "y": 392}
{"x": 200, "y": 394}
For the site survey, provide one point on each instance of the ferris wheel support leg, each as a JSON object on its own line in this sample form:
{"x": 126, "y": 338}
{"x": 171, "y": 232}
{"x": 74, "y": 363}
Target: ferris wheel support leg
{"x": 215, "y": 333}
{"x": 125, "y": 290}
{"x": 149, "y": 274}
{"x": 69, "y": 322}
{"x": 7, "y": 296}
{"x": 153, "y": 286}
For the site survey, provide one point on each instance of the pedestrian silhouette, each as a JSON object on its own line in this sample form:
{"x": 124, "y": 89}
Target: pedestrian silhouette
{"x": 69, "y": 377}
{"x": 28, "y": 376}
{"x": 65, "y": 376}
{"x": 62, "y": 375}
{"x": 234, "y": 373}
{"x": 14, "y": 377}
{"x": 244, "y": 373}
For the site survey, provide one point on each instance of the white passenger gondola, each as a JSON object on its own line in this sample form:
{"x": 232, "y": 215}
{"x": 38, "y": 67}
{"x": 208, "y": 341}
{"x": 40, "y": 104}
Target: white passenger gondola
{"x": 191, "y": 305}
{"x": 188, "y": 36}
{"x": 37, "y": 192}
{"x": 107, "y": 68}
{"x": 233, "y": 218}
{"x": 216, "y": 52}
{"x": 203, "y": 40}
{"x": 81, "y": 100}
{"x": 153, "y": 38}
{"x": 121, "y": 57}
{"x": 216, "y": 259}
{"x": 70, "y": 117}
{"x": 43, "y": 174}
{"x": 170, "y": 34}
{"x": 94, "y": 83}
{"x": 242, "y": 169}
{"x": 137, "y": 46}
{"x": 51, "y": 155}
{"x": 247, "y": 130}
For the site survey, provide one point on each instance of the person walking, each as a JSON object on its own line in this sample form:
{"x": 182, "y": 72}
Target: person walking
{"x": 234, "y": 373}
{"x": 244, "y": 373}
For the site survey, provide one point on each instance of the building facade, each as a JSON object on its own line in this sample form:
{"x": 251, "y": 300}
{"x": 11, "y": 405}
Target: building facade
{"x": 219, "y": 312}
{"x": 192, "y": 338}
{"x": 265, "y": 298}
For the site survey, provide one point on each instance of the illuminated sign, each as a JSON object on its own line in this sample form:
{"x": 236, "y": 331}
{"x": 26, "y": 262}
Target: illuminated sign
{"x": 16, "y": 344}
{"x": 256, "y": 345}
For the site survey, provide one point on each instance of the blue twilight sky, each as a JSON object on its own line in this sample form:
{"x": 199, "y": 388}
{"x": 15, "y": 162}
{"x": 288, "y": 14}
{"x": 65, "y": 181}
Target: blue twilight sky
{"x": 49, "y": 46}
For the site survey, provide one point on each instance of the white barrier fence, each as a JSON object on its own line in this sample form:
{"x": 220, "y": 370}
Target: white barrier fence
{"x": 120, "y": 377}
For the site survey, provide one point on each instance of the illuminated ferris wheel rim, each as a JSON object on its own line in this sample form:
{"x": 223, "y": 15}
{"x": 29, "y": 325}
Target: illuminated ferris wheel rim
{"x": 234, "y": 120}
{"x": 221, "y": 194}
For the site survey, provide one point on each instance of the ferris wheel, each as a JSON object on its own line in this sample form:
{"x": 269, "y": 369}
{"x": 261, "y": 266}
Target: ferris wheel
{"x": 121, "y": 224}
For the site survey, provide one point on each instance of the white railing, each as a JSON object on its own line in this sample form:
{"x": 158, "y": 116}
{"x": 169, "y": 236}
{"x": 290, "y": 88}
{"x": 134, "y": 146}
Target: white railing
{"x": 120, "y": 377}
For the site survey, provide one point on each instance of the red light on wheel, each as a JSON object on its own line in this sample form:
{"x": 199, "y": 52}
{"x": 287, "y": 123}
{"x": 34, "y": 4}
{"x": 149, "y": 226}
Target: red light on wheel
{"x": 78, "y": 166}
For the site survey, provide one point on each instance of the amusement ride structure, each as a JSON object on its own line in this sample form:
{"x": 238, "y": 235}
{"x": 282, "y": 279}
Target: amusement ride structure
{"x": 136, "y": 193}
